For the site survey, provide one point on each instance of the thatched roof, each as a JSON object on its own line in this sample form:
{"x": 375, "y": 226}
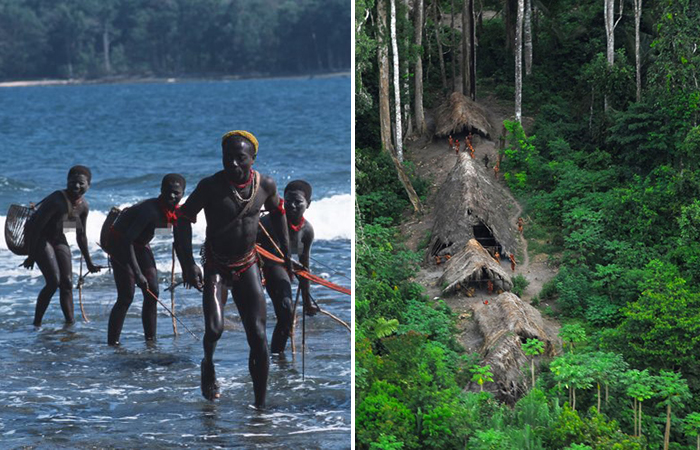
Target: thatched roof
{"x": 506, "y": 322}
{"x": 459, "y": 114}
{"x": 472, "y": 265}
{"x": 470, "y": 198}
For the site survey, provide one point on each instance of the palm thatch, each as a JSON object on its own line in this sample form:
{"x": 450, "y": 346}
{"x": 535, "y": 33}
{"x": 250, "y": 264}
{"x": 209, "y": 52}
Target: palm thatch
{"x": 459, "y": 114}
{"x": 471, "y": 205}
{"x": 471, "y": 267}
{"x": 505, "y": 323}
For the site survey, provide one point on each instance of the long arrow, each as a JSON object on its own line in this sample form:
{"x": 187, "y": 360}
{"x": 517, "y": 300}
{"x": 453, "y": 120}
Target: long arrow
{"x": 302, "y": 272}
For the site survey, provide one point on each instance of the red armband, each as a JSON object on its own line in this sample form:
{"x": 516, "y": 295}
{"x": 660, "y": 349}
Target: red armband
{"x": 280, "y": 207}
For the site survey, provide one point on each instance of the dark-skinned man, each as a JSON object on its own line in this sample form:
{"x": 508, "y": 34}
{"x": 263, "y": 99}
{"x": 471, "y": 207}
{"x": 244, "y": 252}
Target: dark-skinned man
{"x": 297, "y": 198}
{"x": 232, "y": 199}
{"x": 132, "y": 258}
{"x": 60, "y": 211}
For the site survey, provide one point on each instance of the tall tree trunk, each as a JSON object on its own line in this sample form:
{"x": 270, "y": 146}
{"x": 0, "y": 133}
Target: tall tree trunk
{"x": 609, "y": 17}
{"x": 527, "y": 37}
{"x": 472, "y": 27}
{"x": 105, "y": 47}
{"x": 634, "y": 410}
{"x": 468, "y": 48}
{"x": 406, "y": 182}
{"x": 421, "y": 128}
{"x": 438, "y": 38}
{"x": 667, "y": 433}
{"x": 454, "y": 48}
{"x": 598, "y": 384}
{"x": 610, "y": 24}
{"x": 319, "y": 64}
{"x": 511, "y": 8}
{"x": 532, "y": 371}
{"x": 398, "y": 130}
{"x": 384, "y": 109}
{"x": 519, "y": 63}
{"x": 638, "y": 59}
{"x": 466, "y": 57}
{"x": 407, "y": 122}
{"x": 383, "y": 62}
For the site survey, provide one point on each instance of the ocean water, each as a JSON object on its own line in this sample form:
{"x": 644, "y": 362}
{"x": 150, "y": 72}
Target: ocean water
{"x": 63, "y": 387}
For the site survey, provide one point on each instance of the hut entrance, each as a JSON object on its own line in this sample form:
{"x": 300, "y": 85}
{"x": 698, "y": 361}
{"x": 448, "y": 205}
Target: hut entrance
{"x": 439, "y": 246}
{"x": 483, "y": 234}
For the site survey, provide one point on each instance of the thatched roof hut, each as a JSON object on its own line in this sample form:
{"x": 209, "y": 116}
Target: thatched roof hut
{"x": 471, "y": 205}
{"x": 471, "y": 267}
{"x": 505, "y": 323}
{"x": 460, "y": 114}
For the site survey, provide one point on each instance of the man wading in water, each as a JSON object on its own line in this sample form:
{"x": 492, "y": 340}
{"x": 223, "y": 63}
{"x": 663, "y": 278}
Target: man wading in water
{"x": 132, "y": 256}
{"x": 232, "y": 199}
{"x": 48, "y": 247}
{"x": 297, "y": 197}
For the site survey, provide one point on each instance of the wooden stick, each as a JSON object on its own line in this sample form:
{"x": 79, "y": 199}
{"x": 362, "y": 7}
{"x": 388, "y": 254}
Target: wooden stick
{"x": 80, "y": 291}
{"x": 171, "y": 313}
{"x": 173, "y": 286}
{"x": 172, "y": 293}
{"x": 303, "y": 339}
{"x": 274, "y": 244}
{"x": 337, "y": 319}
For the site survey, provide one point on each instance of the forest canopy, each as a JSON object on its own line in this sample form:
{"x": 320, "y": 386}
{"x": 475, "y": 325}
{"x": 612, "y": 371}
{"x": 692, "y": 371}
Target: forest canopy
{"x": 96, "y": 38}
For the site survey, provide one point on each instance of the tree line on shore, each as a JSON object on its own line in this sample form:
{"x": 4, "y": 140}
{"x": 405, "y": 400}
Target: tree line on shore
{"x": 98, "y": 38}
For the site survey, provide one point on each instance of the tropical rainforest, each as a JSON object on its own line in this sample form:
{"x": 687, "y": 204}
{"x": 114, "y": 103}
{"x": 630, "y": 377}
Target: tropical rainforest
{"x": 108, "y": 38}
{"x": 602, "y": 149}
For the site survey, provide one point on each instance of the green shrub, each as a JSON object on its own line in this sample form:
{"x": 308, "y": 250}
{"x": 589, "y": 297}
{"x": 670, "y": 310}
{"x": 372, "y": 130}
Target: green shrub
{"x": 520, "y": 283}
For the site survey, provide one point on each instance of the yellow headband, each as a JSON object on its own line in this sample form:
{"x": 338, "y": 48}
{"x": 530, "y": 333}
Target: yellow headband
{"x": 244, "y": 134}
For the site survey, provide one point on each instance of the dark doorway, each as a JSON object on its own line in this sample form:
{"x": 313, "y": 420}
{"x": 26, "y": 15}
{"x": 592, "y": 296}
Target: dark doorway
{"x": 484, "y": 236}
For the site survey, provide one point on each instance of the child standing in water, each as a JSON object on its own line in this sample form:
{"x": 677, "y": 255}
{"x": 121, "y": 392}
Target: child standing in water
{"x": 61, "y": 211}
{"x": 133, "y": 259}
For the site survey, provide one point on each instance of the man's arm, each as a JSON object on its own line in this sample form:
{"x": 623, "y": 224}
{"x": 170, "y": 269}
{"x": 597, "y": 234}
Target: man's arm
{"x": 81, "y": 238}
{"x": 187, "y": 215}
{"x": 278, "y": 219}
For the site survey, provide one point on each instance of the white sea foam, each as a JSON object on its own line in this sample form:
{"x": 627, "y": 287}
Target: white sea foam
{"x": 320, "y": 429}
{"x": 332, "y": 218}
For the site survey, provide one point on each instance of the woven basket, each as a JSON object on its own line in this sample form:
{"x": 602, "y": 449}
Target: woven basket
{"x": 17, "y": 218}
{"x": 106, "y": 226}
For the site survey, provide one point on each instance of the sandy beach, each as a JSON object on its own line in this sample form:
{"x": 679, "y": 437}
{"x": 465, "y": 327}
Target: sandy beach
{"x": 127, "y": 80}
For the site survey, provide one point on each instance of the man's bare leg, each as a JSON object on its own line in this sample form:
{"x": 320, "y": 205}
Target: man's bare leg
{"x": 248, "y": 295}
{"x": 279, "y": 289}
{"x": 213, "y": 302}
{"x": 46, "y": 261}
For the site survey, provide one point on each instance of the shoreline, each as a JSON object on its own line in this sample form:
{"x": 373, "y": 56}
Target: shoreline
{"x": 177, "y": 79}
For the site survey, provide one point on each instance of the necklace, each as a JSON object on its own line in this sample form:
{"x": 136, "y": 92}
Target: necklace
{"x": 170, "y": 215}
{"x": 241, "y": 186}
{"x": 253, "y": 191}
{"x": 298, "y": 226}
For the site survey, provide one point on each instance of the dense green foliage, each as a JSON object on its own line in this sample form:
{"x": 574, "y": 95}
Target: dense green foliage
{"x": 614, "y": 193}
{"x": 68, "y": 38}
